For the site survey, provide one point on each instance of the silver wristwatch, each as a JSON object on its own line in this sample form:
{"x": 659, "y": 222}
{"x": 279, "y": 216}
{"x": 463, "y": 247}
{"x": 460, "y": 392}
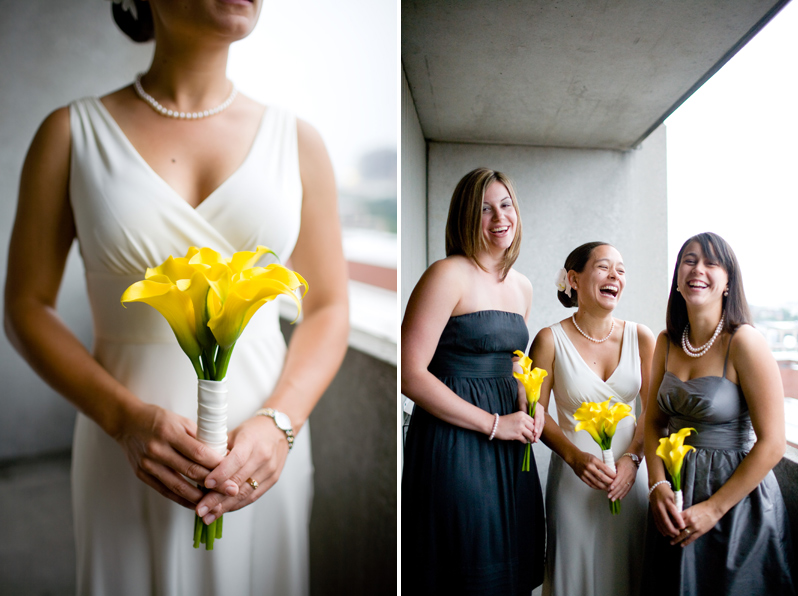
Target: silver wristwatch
{"x": 634, "y": 458}
{"x": 282, "y": 421}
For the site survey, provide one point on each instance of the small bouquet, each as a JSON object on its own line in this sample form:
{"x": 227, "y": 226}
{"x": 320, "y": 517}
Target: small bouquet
{"x": 531, "y": 379}
{"x": 601, "y": 420}
{"x": 672, "y": 451}
{"x": 208, "y": 301}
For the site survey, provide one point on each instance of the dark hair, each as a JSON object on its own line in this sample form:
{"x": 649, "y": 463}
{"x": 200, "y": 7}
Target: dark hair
{"x": 576, "y": 261}
{"x": 139, "y": 29}
{"x": 464, "y": 225}
{"x": 735, "y": 305}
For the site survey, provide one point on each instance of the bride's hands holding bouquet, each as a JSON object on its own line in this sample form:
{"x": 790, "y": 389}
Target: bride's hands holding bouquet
{"x": 163, "y": 449}
{"x": 258, "y": 452}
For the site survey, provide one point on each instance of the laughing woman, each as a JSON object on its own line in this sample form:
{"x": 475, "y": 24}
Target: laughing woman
{"x": 593, "y": 357}
{"x": 134, "y": 181}
{"x": 713, "y": 373}
{"x": 472, "y": 522}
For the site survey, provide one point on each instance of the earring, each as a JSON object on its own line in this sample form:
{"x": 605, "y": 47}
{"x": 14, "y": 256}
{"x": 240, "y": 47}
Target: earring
{"x": 726, "y": 292}
{"x": 678, "y": 290}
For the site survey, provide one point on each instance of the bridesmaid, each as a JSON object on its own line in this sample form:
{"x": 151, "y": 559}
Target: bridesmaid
{"x": 472, "y": 522}
{"x": 592, "y": 357}
{"x": 713, "y": 372}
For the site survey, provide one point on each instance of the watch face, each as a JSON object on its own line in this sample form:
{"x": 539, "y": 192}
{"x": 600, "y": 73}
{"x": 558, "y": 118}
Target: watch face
{"x": 283, "y": 421}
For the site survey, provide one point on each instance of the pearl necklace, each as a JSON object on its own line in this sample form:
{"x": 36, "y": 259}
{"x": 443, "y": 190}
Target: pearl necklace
{"x": 180, "y": 115}
{"x": 700, "y": 351}
{"x": 593, "y": 339}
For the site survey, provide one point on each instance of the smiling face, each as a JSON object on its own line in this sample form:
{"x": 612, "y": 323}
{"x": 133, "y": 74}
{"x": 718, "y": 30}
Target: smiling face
{"x": 701, "y": 277}
{"x": 499, "y": 217}
{"x": 603, "y": 279}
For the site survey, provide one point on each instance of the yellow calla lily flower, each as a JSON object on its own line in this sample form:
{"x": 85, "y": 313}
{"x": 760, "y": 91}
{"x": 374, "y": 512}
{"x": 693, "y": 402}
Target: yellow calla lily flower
{"x": 672, "y": 451}
{"x": 592, "y": 428}
{"x": 249, "y": 290}
{"x": 175, "y": 306}
{"x": 614, "y": 415}
{"x": 531, "y": 379}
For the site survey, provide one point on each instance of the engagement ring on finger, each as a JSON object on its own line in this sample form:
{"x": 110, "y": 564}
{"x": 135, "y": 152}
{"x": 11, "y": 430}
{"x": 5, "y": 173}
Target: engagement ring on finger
{"x": 686, "y": 531}
{"x": 253, "y": 483}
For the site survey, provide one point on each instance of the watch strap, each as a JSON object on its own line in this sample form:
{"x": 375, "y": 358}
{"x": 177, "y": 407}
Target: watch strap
{"x": 272, "y": 413}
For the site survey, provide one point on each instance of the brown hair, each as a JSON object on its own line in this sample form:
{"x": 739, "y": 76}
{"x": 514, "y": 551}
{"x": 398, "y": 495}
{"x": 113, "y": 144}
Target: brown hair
{"x": 139, "y": 29}
{"x": 735, "y": 305}
{"x": 464, "y": 225}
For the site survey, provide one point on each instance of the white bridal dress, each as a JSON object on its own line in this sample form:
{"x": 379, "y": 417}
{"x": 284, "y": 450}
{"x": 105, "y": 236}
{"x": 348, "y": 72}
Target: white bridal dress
{"x": 590, "y": 551}
{"x": 130, "y": 539}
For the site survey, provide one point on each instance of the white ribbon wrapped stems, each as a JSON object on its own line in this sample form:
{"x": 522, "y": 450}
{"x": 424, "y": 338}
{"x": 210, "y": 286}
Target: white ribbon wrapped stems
{"x": 212, "y": 414}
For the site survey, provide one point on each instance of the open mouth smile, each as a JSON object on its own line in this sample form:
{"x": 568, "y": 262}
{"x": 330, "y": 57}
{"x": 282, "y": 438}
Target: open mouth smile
{"x": 609, "y": 290}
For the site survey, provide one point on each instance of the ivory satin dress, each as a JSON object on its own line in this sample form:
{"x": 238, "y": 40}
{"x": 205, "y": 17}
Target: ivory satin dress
{"x": 130, "y": 539}
{"x": 591, "y": 552}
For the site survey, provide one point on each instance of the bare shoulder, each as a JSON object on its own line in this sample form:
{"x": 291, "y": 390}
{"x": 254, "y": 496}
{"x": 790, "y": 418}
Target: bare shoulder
{"x": 748, "y": 343}
{"x": 645, "y": 338}
{"x": 544, "y": 339}
{"x": 522, "y": 281}
{"x": 55, "y": 128}
{"x": 309, "y": 139}
{"x": 451, "y": 271}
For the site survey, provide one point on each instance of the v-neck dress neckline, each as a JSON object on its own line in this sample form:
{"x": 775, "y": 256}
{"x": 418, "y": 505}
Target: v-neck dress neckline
{"x": 136, "y": 155}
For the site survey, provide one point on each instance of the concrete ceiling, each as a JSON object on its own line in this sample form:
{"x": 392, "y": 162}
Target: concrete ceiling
{"x": 592, "y": 74}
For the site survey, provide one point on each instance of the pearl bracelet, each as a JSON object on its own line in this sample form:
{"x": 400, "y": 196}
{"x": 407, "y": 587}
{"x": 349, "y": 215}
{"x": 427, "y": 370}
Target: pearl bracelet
{"x": 495, "y": 426}
{"x": 655, "y": 485}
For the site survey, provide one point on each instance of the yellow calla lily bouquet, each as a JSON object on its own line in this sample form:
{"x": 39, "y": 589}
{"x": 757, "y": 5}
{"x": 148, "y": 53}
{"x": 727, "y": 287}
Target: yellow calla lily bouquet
{"x": 208, "y": 300}
{"x": 531, "y": 379}
{"x": 672, "y": 451}
{"x": 601, "y": 421}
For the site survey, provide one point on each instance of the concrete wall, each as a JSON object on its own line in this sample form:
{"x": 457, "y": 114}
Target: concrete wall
{"x": 414, "y": 196}
{"x": 52, "y": 53}
{"x": 568, "y": 197}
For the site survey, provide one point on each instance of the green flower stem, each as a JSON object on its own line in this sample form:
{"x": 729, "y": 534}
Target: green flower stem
{"x": 219, "y": 524}
{"x": 211, "y": 529}
{"x": 197, "y": 530}
{"x": 222, "y": 361}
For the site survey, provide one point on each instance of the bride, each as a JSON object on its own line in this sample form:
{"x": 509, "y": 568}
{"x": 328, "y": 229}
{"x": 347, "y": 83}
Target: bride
{"x": 134, "y": 181}
{"x": 591, "y": 357}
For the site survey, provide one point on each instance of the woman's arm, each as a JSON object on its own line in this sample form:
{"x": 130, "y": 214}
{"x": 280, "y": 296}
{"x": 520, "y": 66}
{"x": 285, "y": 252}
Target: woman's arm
{"x": 590, "y": 469}
{"x": 662, "y": 502}
{"x": 626, "y": 470}
{"x": 159, "y": 445}
{"x": 431, "y": 304}
{"x": 759, "y": 378}
{"x": 317, "y": 347}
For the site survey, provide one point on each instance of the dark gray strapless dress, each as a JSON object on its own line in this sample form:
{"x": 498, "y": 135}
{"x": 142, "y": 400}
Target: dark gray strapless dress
{"x": 748, "y": 551}
{"x": 472, "y": 522}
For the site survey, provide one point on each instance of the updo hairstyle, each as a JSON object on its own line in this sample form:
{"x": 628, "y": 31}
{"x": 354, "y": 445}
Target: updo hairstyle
{"x": 138, "y": 29}
{"x": 577, "y": 261}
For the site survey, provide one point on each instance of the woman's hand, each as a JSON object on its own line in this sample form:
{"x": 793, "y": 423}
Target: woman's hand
{"x": 625, "y": 475}
{"x": 698, "y": 520}
{"x": 592, "y": 471}
{"x": 662, "y": 503}
{"x": 518, "y": 426}
{"x": 258, "y": 450}
{"x": 162, "y": 448}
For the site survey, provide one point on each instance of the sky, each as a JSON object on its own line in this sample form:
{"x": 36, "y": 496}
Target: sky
{"x": 733, "y": 162}
{"x": 334, "y": 64}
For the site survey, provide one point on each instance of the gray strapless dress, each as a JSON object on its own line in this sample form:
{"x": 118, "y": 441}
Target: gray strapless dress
{"x": 749, "y": 549}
